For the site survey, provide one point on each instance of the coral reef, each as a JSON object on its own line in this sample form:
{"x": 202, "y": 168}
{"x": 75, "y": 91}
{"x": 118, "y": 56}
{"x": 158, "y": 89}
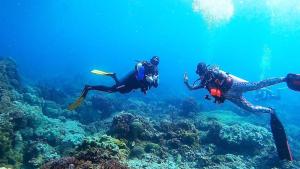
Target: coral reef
{"x": 97, "y": 108}
{"x": 117, "y": 132}
{"x": 238, "y": 137}
{"x": 132, "y": 128}
{"x": 50, "y": 93}
{"x": 95, "y": 152}
{"x": 9, "y": 81}
{"x": 38, "y": 153}
{"x": 180, "y": 134}
{"x": 189, "y": 107}
{"x": 74, "y": 163}
{"x": 9, "y": 77}
{"x": 99, "y": 148}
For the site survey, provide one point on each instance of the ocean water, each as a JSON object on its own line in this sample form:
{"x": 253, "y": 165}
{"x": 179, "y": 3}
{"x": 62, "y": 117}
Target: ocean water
{"x": 65, "y": 39}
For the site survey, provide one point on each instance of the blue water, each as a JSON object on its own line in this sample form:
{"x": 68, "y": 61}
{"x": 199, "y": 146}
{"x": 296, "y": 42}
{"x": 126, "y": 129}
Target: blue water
{"x": 252, "y": 39}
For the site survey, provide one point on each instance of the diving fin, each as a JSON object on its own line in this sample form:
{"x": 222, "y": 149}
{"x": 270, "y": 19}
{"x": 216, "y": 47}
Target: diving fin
{"x": 102, "y": 73}
{"x": 76, "y": 104}
{"x": 280, "y": 139}
{"x": 293, "y": 81}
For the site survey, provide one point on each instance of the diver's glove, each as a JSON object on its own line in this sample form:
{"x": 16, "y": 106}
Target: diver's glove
{"x": 150, "y": 79}
{"x": 155, "y": 80}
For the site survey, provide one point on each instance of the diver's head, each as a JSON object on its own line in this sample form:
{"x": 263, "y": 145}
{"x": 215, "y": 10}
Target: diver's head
{"x": 155, "y": 60}
{"x": 201, "y": 69}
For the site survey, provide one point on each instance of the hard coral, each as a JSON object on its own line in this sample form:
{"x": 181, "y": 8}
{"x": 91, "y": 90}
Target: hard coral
{"x": 239, "y": 137}
{"x": 105, "y": 105}
{"x": 47, "y": 92}
{"x": 102, "y": 152}
{"x": 101, "y": 148}
{"x": 9, "y": 77}
{"x": 8, "y": 155}
{"x": 38, "y": 154}
{"x": 74, "y": 163}
{"x": 189, "y": 107}
{"x": 131, "y": 127}
{"x": 181, "y": 133}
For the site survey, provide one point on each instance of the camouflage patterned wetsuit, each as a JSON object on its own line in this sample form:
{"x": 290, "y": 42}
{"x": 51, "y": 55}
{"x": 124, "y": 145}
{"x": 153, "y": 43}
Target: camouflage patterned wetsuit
{"x": 235, "y": 94}
{"x": 235, "y": 88}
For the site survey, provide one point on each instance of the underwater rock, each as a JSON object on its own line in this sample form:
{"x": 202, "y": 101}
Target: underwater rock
{"x": 155, "y": 162}
{"x": 137, "y": 106}
{"x": 38, "y": 153}
{"x": 5, "y": 101}
{"x": 189, "y": 107}
{"x": 179, "y": 134}
{"x": 57, "y": 133}
{"x": 98, "y": 108}
{"x": 6, "y": 130}
{"x": 74, "y": 163}
{"x": 152, "y": 148}
{"x": 121, "y": 126}
{"x": 9, "y": 81}
{"x": 238, "y": 137}
{"x": 50, "y": 93}
{"x": 103, "y": 152}
{"x": 224, "y": 161}
{"x": 213, "y": 129}
{"x": 8, "y": 154}
{"x": 51, "y": 109}
{"x": 9, "y": 77}
{"x": 106, "y": 105}
{"x": 32, "y": 99}
{"x": 131, "y": 127}
{"x": 137, "y": 152}
{"x": 99, "y": 148}
{"x": 18, "y": 118}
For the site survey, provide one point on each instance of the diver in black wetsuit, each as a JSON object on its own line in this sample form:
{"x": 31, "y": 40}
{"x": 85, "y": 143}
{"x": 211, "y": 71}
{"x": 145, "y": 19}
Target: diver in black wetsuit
{"x": 224, "y": 86}
{"x": 143, "y": 77}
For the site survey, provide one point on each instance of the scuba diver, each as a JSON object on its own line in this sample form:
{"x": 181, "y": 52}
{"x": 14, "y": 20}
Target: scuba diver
{"x": 224, "y": 86}
{"x": 143, "y": 77}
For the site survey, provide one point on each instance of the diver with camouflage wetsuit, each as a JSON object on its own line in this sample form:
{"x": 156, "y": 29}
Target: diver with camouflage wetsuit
{"x": 224, "y": 86}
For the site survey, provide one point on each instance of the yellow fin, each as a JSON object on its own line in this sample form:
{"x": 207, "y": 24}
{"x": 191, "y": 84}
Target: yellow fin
{"x": 102, "y": 73}
{"x": 76, "y": 104}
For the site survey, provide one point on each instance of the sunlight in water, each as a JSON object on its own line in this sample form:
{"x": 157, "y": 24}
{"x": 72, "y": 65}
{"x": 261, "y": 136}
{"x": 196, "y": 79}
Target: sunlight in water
{"x": 284, "y": 15}
{"x": 266, "y": 62}
{"x": 215, "y": 12}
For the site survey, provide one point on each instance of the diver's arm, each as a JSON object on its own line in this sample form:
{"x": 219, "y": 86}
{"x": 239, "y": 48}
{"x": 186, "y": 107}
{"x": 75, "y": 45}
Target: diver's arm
{"x": 190, "y": 87}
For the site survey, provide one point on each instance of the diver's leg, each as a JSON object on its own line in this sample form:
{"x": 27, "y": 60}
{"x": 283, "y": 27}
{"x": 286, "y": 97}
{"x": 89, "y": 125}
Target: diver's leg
{"x": 114, "y": 76}
{"x": 244, "y": 104}
{"x": 107, "y": 89}
{"x": 85, "y": 91}
{"x": 251, "y": 86}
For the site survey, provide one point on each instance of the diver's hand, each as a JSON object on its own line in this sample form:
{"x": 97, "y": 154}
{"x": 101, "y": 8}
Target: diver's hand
{"x": 150, "y": 79}
{"x": 185, "y": 78}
